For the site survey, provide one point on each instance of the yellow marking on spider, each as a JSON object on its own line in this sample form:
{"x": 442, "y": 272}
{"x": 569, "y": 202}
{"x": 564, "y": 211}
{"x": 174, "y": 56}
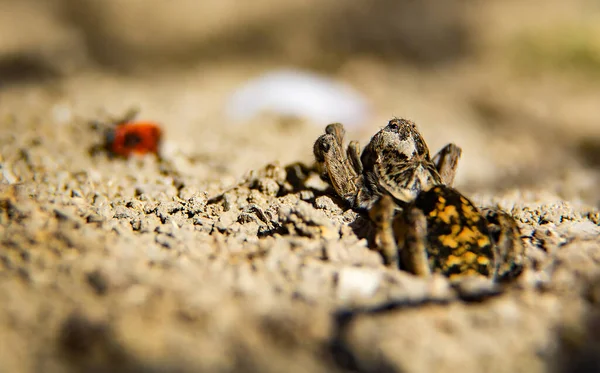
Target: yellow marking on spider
{"x": 482, "y": 260}
{"x": 469, "y": 212}
{"x": 468, "y": 235}
{"x": 447, "y": 214}
{"x": 453, "y": 260}
{"x": 483, "y": 241}
{"x": 469, "y": 257}
{"x": 449, "y": 240}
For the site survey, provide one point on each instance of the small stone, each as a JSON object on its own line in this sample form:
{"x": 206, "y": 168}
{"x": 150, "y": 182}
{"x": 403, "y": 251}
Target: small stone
{"x": 98, "y": 281}
{"x": 307, "y": 195}
{"x": 94, "y": 218}
{"x": 256, "y": 197}
{"x": 226, "y": 220}
{"x": 76, "y": 193}
{"x": 268, "y": 186}
{"x": 326, "y": 203}
{"x": 197, "y": 203}
{"x": 122, "y": 212}
{"x": 165, "y": 241}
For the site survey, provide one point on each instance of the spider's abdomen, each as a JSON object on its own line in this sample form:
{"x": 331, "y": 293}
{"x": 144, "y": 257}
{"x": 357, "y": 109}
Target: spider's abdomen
{"x": 458, "y": 239}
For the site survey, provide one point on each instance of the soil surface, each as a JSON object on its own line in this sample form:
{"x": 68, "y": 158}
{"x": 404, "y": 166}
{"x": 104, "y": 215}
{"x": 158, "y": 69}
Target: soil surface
{"x": 220, "y": 255}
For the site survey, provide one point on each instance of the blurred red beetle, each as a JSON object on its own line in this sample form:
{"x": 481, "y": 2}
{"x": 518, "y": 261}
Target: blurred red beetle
{"x": 126, "y": 137}
{"x": 137, "y": 138}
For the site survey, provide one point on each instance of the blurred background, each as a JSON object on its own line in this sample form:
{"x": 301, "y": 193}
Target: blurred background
{"x": 515, "y": 83}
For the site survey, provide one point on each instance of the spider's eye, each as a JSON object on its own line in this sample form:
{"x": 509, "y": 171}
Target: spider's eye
{"x": 322, "y": 147}
{"x": 325, "y": 146}
{"x": 393, "y": 125}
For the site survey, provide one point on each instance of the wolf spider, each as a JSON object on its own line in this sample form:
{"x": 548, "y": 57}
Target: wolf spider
{"x": 422, "y": 224}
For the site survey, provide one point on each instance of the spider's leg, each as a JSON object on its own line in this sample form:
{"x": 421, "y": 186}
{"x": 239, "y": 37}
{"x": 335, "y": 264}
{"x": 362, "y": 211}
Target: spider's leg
{"x": 446, "y": 162}
{"x": 509, "y": 249}
{"x": 382, "y": 215}
{"x": 338, "y": 131}
{"x": 364, "y": 198}
{"x": 128, "y": 116}
{"x": 411, "y": 227}
{"x": 333, "y": 163}
{"x": 353, "y": 154}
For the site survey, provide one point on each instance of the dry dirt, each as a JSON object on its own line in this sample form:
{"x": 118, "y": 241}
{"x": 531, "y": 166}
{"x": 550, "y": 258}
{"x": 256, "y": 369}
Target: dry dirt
{"x": 216, "y": 258}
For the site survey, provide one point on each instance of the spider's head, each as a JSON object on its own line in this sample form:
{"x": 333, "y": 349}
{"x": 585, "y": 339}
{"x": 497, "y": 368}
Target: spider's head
{"x": 401, "y": 140}
{"x": 396, "y": 162}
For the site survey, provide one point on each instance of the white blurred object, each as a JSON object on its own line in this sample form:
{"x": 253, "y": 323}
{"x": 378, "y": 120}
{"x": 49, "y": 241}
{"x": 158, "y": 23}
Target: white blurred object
{"x": 62, "y": 113}
{"x": 300, "y": 94}
{"x": 357, "y": 282}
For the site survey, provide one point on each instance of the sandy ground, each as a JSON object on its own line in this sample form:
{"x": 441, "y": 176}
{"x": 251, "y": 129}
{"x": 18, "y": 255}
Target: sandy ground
{"x": 217, "y": 259}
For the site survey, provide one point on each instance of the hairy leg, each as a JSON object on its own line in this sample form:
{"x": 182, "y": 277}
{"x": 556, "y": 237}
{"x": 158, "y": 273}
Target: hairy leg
{"x": 446, "y": 162}
{"x": 382, "y": 215}
{"x": 333, "y": 163}
{"x": 353, "y": 153}
{"x": 413, "y": 251}
{"x": 510, "y": 251}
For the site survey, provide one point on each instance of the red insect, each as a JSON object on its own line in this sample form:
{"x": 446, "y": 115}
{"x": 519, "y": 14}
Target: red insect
{"x": 126, "y": 137}
{"x": 137, "y": 138}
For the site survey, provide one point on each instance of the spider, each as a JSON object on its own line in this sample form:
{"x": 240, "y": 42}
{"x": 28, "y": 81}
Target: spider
{"x": 422, "y": 224}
